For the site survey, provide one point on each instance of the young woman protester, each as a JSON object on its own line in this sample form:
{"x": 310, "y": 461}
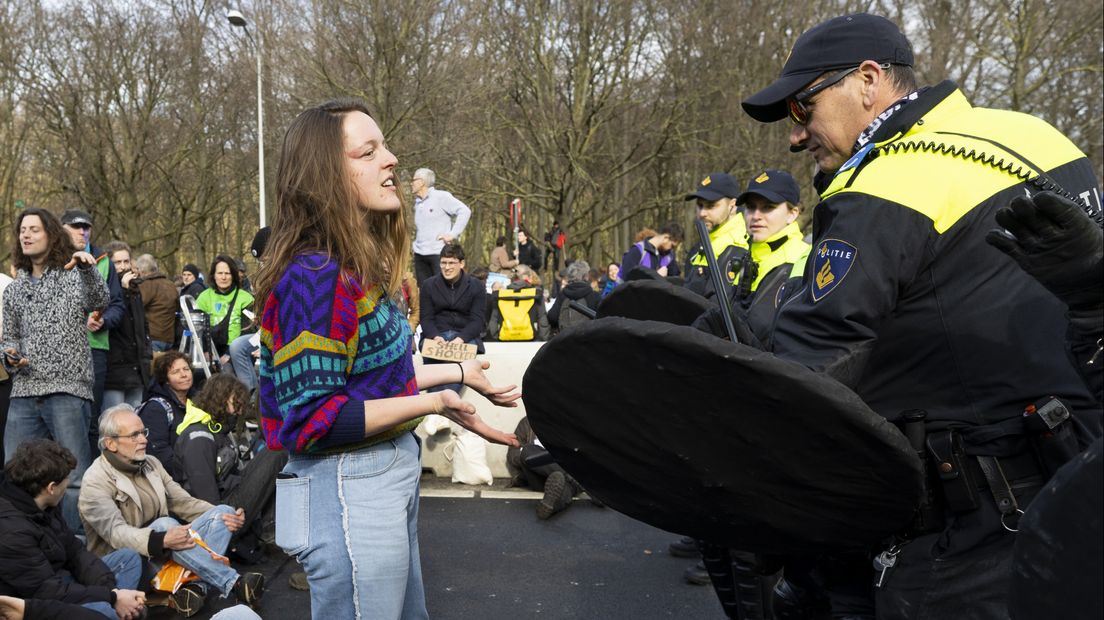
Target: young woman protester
{"x": 339, "y": 390}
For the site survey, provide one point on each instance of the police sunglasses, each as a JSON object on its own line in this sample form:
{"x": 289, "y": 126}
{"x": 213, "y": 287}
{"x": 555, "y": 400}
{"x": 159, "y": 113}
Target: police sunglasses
{"x": 799, "y": 112}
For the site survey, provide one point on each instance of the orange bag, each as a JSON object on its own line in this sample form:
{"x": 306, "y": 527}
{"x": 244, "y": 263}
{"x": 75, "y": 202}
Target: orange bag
{"x": 172, "y": 575}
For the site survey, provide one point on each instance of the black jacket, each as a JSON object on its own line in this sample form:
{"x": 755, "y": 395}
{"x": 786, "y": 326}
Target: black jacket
{"x": 128, "y": 359}
{"x": 530, "y": 254}
{"x": 193, "y": 289}
{"x": 41, "y": 558}
{"x": 207, "y": 462}
{"x": 460, "y": 306}
{"x": 162, "y": 422}
{"x": 903, "y": 299}
{"x": 574, "y": 291}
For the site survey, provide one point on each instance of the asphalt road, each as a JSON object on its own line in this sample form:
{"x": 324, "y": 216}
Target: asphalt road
{"x": 492, "y": 559}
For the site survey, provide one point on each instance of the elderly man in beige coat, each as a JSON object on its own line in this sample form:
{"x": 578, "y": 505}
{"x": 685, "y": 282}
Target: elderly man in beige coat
{"x": 125, "y": 503}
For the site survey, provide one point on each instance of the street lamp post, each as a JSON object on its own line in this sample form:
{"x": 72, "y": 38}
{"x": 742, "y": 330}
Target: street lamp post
{"x": 237, "y": 20}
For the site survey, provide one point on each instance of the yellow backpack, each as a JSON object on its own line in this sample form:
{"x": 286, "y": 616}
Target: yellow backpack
{"x": 514, "y": 306}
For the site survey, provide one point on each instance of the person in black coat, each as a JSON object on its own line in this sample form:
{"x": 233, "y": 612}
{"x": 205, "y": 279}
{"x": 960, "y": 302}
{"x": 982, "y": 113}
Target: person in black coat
{"x": 39, "y": 555}
{"x": 163, "y": 410}
{"x": 453, "y": 304}
{"x": 528, "y": 253}
{"x": 577, "y": 289}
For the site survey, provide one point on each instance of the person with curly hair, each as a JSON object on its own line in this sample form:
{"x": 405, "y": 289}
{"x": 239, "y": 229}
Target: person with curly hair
{"x": 45, "y": 344}
{"x": 163, "y": 410}
{"x": 209, "y": 461}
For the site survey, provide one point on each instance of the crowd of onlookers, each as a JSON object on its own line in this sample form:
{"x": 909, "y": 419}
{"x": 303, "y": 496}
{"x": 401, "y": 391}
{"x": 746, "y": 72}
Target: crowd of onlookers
{"x": 92, "y": 383}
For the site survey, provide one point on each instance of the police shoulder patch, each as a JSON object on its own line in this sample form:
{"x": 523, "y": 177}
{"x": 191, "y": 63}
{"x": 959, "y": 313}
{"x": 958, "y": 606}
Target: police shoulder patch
{"x": 832, "y": 259}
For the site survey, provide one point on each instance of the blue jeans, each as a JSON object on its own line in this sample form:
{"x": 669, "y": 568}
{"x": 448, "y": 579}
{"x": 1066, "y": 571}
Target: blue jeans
{"x": 351, "y": 520}
{"x": 212, "y": 530}
{"x": 131, "y": 396}
{"x": 63, "y": 418}
{"x": 241, "y": 359}
{"x": 126, "y": 564}
{"x": 160, "y": 346}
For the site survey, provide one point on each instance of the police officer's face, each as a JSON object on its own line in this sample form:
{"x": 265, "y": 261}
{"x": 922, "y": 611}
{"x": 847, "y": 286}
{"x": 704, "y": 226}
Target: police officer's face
{"x": 836, "y": 117}
{"x": 765, "y": 218}
{"x": 717, "y": 212}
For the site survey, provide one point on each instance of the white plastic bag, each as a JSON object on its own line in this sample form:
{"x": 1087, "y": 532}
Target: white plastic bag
{"x": 434, "y": 424}
{"x": 469, "y": 458}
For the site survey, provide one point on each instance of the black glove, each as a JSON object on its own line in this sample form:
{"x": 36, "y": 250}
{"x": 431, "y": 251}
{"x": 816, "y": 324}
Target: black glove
{"x": 1054, "y": 241}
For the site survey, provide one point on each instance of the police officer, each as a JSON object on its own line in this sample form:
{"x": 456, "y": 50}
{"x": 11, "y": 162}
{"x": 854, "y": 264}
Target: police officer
{"x": 905, "y": 302}
{"x": 716, "y": 206}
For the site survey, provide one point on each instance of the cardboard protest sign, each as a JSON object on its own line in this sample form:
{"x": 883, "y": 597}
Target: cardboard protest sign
{"x": 448, "y": 351}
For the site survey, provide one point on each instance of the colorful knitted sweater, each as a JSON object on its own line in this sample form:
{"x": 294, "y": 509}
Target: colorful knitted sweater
{"x": 328, "y": 345}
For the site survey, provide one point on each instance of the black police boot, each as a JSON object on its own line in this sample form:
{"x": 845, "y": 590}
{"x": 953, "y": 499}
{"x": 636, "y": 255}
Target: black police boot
{"x": 696, "y": 575}
{"x": 684, "y": 547}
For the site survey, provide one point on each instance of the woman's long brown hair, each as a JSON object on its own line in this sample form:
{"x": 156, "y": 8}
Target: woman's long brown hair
{"x": 317, "y": 207}
{"x": 59, "y": 246}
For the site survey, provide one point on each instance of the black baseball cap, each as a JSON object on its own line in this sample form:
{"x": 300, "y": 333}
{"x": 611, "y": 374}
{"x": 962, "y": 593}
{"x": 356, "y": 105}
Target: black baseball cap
{"x": 716, "y": 186}
{"x": 260, "y": 240}
{"x": 838, "y": 43}
{"x": 776, "y": 186}
{"x": 76, "y": 217}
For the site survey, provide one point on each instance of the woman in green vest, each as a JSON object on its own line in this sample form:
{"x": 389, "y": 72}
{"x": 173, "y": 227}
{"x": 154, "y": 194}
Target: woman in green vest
{"x": 225, "y": 304}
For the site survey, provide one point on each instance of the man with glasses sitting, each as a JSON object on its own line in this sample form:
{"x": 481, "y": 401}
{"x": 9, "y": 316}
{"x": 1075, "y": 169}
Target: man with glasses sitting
{"x": 453, "y": 304}
{"x": 125, "y": 503}
{"x": 905, "y": 302}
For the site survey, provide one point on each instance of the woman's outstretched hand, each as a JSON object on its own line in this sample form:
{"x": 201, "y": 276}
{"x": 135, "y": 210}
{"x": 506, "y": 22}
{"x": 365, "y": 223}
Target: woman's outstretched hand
{"x": 476, "y": 379}
{"x": 450, "y": 405}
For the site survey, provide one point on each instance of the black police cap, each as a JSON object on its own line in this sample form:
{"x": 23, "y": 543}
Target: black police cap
{"x": 838, "y": 43}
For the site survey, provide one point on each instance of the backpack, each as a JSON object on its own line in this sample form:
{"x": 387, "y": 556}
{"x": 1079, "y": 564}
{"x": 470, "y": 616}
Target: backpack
{"x": 570, "y": 316}
{"x": 514, "y": 306}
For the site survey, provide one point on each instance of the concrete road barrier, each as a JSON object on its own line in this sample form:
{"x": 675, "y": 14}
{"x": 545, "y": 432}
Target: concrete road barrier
{"x": 509, "y": 360}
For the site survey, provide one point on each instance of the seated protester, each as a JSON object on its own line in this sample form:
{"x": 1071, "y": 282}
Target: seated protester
{"x": 656, "y": 252}
{"x": 125, "y": 503}
{"x": 208, "y": 459}
{"x": 40, "y": 557}
{"x": 225, "y": 304}
{"x": 163, "y": 409}
{"x": 558, "y": 486}
{"x": 452, "y": 302}
{"x": 561, "y": 315}
{"x": 452, "y": 306}
{"x": 12, "y": 608}
{"x": 205, "y": 454}
{"x": 771, "y": 205}
{"x": 610, "y": 280}
{"x": 716, "y": 206}
{"x": 518, "y": 312}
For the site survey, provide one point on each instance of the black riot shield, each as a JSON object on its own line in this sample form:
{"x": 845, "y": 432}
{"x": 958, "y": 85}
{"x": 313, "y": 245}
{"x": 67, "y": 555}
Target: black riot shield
{"x": 719, "y": 441}
{"x": 1058, "y": 560}
{"x": 654, "y": 300}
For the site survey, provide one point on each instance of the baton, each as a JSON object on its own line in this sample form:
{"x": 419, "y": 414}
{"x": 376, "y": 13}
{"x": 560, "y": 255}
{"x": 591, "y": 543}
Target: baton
{"x": 582, "y": 309}
{"x": 718, "y": 282}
